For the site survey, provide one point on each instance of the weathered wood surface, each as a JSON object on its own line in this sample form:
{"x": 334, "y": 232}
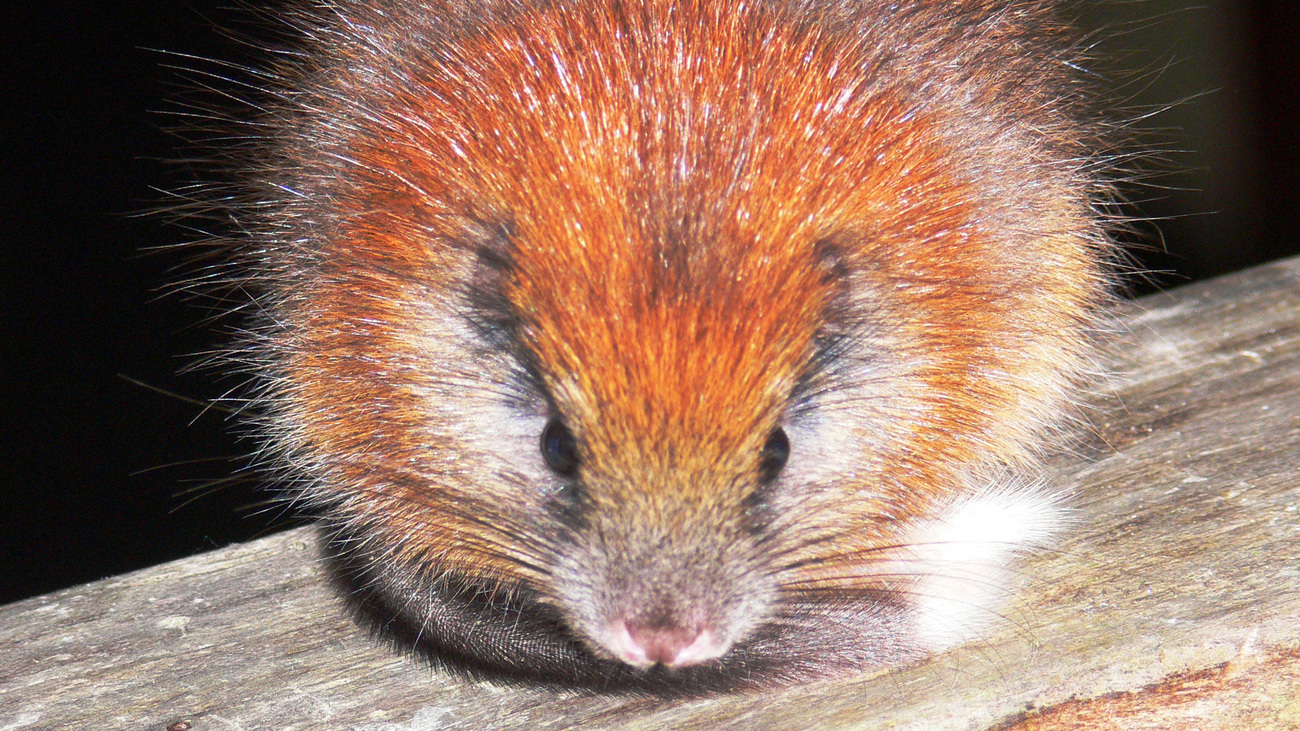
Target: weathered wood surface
{"x": 1174, "y": 603}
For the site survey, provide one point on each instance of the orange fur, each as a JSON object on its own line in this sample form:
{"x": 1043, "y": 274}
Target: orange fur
{"x": 679, "y": 214}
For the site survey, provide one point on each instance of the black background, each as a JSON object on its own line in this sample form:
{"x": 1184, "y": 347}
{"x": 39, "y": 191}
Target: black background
{"x": 101, "y": 475}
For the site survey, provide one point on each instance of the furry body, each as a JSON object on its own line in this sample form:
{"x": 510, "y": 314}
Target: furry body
{"x": 790, "y": 294}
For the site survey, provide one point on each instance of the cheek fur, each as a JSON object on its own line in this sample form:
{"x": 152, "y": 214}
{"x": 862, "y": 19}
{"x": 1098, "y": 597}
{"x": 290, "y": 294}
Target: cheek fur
{"x": 478, "y": 399}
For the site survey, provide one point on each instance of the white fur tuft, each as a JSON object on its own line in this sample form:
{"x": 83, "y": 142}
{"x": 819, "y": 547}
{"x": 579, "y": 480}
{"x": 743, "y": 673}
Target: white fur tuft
{"x": 961, "y": 559}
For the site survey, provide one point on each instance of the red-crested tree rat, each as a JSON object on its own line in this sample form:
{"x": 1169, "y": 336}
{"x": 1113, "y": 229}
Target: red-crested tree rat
{"x": 674, "y": 342}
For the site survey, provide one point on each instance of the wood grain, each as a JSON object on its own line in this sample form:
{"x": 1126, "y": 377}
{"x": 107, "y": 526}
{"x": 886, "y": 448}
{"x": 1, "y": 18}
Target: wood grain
{"x": 1174, "y": 602}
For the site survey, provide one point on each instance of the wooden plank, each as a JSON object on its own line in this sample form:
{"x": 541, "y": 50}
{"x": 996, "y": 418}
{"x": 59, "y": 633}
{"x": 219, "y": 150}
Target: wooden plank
{"x": 1173, "y": 603}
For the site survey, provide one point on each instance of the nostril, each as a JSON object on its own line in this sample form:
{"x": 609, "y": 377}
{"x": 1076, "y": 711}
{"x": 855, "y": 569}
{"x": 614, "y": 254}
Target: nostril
{"x": 671, "y": 645}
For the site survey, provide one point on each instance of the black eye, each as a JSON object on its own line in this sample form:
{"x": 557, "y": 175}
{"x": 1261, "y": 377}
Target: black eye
{"x": 559, "y": 448}
{"x": 772, "y": 459}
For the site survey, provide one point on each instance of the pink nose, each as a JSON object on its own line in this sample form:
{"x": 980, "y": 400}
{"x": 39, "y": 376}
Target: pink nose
{"x": 643, "y": 645}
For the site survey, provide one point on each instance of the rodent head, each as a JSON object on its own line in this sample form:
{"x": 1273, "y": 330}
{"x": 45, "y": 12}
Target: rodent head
{"x": 666, "y": 344}
{"x": 669, "y": 361}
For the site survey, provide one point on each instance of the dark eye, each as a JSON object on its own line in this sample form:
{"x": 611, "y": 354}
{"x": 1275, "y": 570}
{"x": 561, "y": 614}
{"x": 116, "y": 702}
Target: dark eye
{"x": 772, "y": 459}
{"x": 559, "y": 448}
